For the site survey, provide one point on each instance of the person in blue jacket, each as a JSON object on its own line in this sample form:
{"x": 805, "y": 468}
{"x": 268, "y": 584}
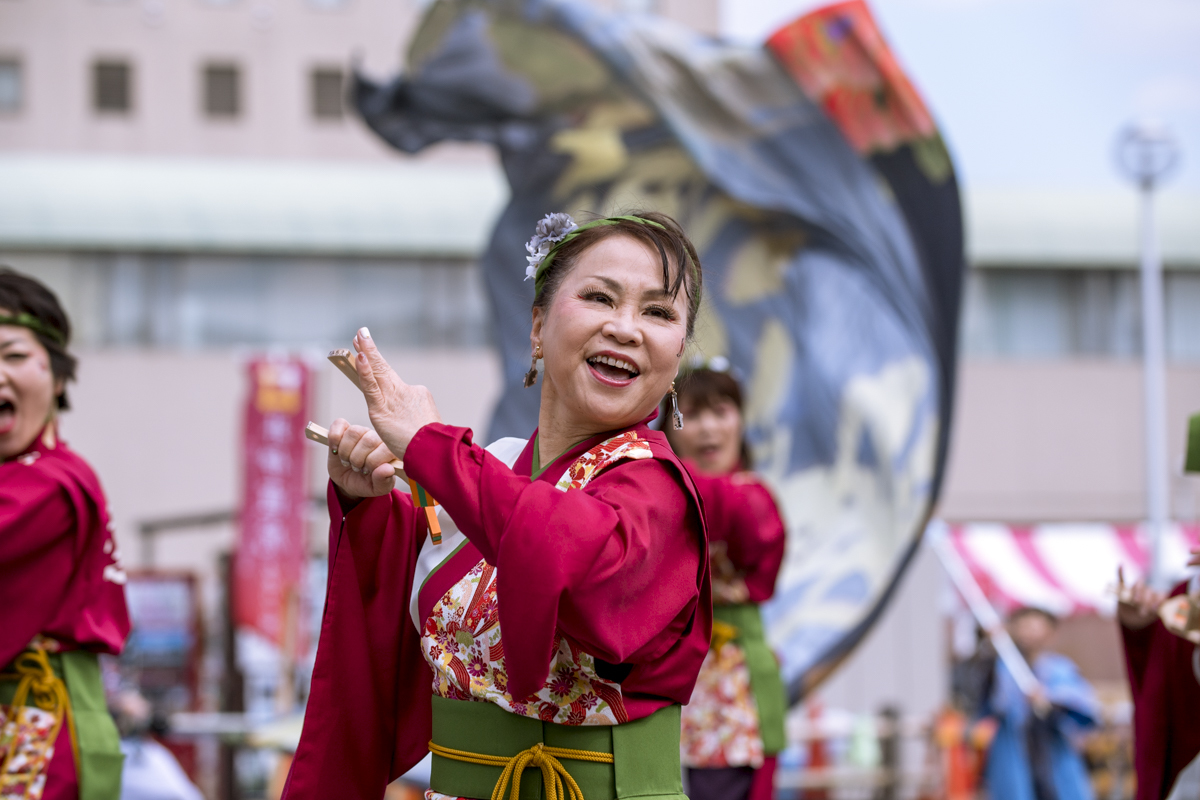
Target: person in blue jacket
{"x": 1035, "y": 754}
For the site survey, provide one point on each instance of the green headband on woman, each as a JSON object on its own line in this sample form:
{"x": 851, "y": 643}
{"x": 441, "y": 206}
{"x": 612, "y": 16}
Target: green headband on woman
{"x": 34, "y": 324}
{"x": 555, "y": 230}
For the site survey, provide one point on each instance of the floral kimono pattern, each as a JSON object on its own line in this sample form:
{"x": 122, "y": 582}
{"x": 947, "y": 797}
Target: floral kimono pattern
{"x": 462, "y": 643}
{"x": 720, "y": 724}
{"x": 26, "y": 746}
{"x": 461, "y": 639}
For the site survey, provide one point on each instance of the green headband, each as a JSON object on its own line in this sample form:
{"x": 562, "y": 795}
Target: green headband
{"x": 34, "y": 324}
{"x": 539, "y": 276}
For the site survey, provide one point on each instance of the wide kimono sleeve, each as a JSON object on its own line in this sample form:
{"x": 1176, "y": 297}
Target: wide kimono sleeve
{"x": 38, "y": 529}
{"x": 368, "y": 718}
{"x": 1070, "y": 694}
{"x": 1072, "y": 697}
{"x": 1165, "y": 695}
{"x": 742, "y": 513}
{"x": 617, "y": 566}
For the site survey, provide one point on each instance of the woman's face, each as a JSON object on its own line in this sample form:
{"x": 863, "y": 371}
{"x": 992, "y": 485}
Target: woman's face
{"x": 27, "y": 389}
{"x": 611, "y": 339}
{"x": 711, "y": 436}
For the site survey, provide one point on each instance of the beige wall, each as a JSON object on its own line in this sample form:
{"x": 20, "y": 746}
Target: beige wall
{"x": 1061, "y": 440}
{"x": 275, "y": 42}
{"x": 168, "y": 41}
{"x": 162, "y": 428}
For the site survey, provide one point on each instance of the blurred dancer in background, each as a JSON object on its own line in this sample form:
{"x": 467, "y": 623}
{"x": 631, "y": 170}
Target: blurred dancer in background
{"x": 62, "y": 590}
{"x": 733, "y": 726}
{"x": 151, "y": 770}
{"x": 1034, "y": 755}
{"x": 1164, "y": 679}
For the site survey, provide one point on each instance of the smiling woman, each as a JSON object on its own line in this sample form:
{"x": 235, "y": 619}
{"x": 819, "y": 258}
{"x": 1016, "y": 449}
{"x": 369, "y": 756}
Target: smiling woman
{"x": 563, "y": 619}
{"x": 62, "y": 597}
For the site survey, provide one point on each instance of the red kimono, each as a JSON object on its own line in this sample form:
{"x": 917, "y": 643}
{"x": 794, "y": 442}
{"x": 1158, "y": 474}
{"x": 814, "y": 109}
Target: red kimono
{"x": 734, "y": 726}
{"x": 59, "y": 574}
{"x": 743, "y": 519}
{"x": 1166, "y": 701}
{"x": 613, "y": 570}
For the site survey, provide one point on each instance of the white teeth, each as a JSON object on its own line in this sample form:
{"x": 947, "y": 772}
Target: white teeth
{"x": 614, "y": 362}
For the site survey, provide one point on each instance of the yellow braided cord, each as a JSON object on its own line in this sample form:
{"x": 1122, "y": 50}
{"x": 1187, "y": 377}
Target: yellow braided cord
{"x": 722, "y": 634}
{"x": 35, "y": 676}
{"x": 544, "y": 758}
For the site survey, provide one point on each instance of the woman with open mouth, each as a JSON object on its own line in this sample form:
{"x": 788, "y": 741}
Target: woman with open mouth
{"x": 562, "y": 620}
{"x": 733, "y": 728}
{"x": 62, "y": 595}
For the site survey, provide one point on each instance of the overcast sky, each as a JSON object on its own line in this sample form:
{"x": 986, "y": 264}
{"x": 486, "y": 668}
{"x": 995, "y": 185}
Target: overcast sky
{"x": 1031, "y": 93}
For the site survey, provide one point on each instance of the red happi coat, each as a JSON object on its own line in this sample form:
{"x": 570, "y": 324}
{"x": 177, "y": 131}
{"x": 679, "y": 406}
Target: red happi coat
{"x": 744, "y": 524}
{"x": 747, "y": 542}
{"x": 618, "y": 567}
{"x": 59, "y": 574}
{"x": 1166, "y": 702}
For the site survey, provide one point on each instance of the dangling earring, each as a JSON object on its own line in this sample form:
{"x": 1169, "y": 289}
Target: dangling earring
{"x": 531, "y": 376}
{"x": 676, "y": 417}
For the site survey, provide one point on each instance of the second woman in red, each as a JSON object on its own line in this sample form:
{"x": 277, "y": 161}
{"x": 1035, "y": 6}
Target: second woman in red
{"x": 733, "y": 726}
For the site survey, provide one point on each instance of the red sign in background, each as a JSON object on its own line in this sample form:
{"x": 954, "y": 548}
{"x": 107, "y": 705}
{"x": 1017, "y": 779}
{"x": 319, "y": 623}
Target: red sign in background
{"x": 271, "y": 554}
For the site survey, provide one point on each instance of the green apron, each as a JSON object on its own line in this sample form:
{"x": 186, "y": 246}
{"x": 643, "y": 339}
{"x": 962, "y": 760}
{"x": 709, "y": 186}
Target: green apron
{"x": 645, "y": 753}
{"x": 98, "y": 768}
{"x": 765, "y": 681}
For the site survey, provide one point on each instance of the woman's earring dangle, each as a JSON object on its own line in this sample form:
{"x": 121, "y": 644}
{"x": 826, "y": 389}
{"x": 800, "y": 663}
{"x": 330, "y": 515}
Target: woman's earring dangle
{"x": 676, "y": 417}
{"x": 531, "y": 376}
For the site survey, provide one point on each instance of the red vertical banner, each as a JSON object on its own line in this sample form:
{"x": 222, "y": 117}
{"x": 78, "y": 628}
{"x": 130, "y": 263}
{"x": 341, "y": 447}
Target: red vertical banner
{"x": 271, "y": 553}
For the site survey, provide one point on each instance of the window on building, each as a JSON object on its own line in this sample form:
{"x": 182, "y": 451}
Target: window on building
{"x": 112, "y": 87}
{"x": 1074, "y": 313}
{"x": 10, "y": 85}
{"x": 327, "y": 89}
{"x": 222, "y": 91}
{"x": 216, "y": 301}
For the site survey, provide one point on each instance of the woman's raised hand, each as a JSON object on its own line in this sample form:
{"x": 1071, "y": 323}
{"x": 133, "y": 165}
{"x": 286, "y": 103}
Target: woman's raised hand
{"x": 397, "y": 410}
{"x": 1138, "y": 604}
{"x": 359, "y": 461}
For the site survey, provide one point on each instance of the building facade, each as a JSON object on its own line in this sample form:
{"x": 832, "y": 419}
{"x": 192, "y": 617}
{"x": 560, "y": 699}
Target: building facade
{"x": 186, "y": 175}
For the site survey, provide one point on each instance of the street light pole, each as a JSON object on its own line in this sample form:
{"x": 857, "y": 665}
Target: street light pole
{"x": 1154, "y": 387}
{"x": 1146, "y": 154}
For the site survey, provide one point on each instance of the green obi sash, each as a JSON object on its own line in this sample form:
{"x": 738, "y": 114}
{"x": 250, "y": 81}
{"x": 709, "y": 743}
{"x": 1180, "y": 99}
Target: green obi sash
{"x": 765, "y": 681}
{"x": 99, "y": 762}
{"x": 642, "y": 756}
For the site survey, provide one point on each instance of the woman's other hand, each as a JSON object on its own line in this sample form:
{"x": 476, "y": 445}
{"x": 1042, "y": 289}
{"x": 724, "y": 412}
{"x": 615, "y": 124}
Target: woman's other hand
{"x": 397, "y": 410}
{"x": 359, "y": 461}
{"x": 1138, "y": 606}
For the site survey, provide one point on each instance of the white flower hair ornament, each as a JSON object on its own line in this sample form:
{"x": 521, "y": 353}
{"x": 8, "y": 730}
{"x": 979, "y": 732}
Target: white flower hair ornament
{"x": 550, "y": 231}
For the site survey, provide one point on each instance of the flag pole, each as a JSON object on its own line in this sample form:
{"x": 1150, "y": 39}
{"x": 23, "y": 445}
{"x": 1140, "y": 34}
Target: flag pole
{"x": 981, "y": 609}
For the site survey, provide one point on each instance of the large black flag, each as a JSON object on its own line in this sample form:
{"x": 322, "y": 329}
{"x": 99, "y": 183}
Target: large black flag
{"x": 833, "y": 256}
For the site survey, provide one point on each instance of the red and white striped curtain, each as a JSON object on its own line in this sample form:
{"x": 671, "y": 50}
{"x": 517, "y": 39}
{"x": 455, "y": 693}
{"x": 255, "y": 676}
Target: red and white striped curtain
{"x": 1065, "y": 568}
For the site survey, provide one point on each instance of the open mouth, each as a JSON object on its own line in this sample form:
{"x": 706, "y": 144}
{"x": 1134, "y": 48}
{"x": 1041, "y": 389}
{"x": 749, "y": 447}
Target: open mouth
{"x": 613, "y": 369}
{"x": 8, "y": 416}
